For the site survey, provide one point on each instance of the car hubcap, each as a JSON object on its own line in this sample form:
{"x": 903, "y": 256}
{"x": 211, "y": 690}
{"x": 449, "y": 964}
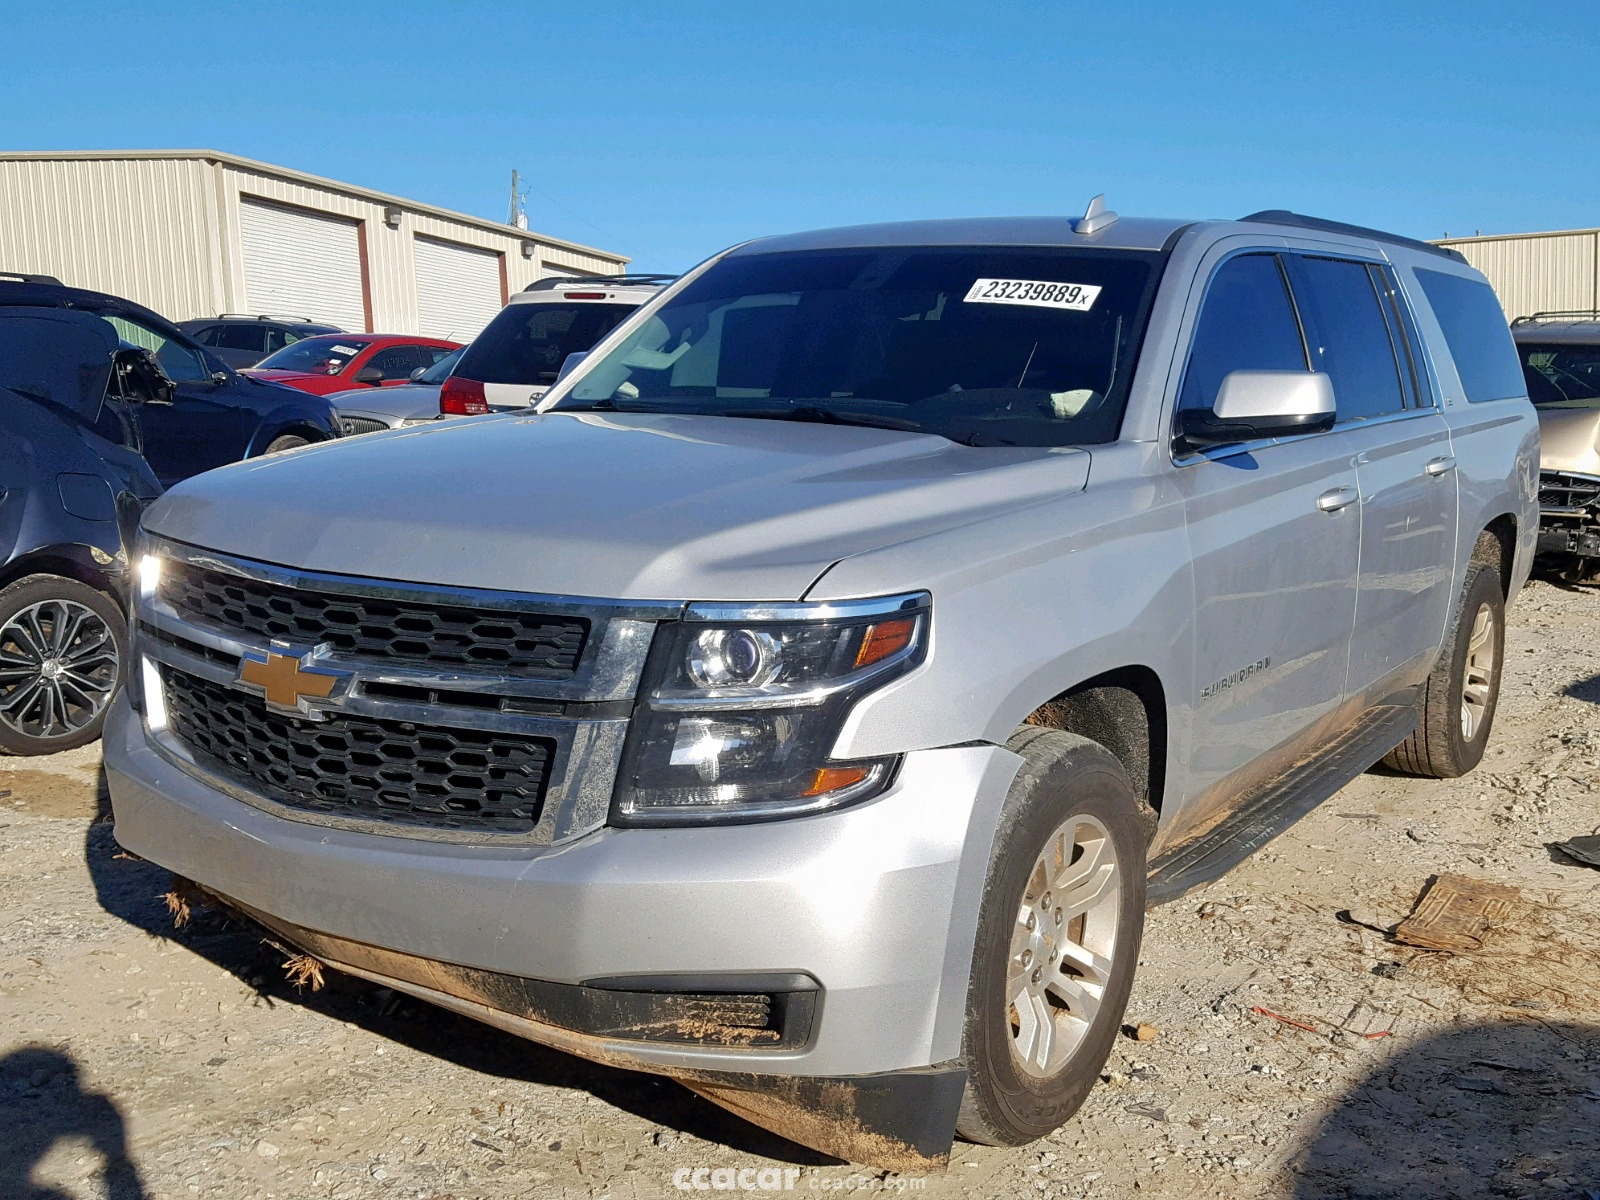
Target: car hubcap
{"x": 1062, "y": 945}
{"x": 58, "y": 668}
{"x": 1478, "y": 677}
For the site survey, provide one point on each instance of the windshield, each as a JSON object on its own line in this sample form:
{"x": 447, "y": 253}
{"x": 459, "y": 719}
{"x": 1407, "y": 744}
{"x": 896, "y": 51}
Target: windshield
{"x": 527, "y": 343}
{"x": 440, "y": 371}
{"x": 990, "y": 347}
{"x": 1561, "y": 376}
{"x": 318, "y": 356}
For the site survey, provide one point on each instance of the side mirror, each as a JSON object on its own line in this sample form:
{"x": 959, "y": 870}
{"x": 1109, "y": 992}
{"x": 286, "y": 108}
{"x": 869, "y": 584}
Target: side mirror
{"x": 569, "y": 364}
{"x": 1253, "y": 405}
{"x": 369, "y": 375}
{"x": 417, "y": 374}
{"x": 140, "y": 379}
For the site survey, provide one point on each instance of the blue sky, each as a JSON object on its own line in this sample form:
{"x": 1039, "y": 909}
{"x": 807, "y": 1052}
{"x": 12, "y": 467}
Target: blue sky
{"x": 669, "y": 130}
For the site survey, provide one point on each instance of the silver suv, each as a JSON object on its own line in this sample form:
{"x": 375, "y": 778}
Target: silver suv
{"x": 862, "y": 635}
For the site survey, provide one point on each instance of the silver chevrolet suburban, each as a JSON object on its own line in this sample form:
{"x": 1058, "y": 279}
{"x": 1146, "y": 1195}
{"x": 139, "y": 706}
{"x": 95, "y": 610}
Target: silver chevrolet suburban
{"x": 808, "y": 700}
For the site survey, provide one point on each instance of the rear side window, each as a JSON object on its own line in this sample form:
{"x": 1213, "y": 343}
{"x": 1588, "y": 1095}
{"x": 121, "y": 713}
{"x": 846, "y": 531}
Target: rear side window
{"x": 1475, "y": 329}
{"x": 1247, "y": 324}
{"x": 241, "y": 337}
{"x": 527, "y": 343}
{"x": 1349, "y": 335}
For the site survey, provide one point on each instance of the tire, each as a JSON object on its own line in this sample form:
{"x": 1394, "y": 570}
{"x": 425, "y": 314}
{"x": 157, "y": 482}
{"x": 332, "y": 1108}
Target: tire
{"x": 1065, "y": 781}
{"x": 1453, "y": 721}
{"x": 63, "y": 654}
{"x": 287, "y": 441}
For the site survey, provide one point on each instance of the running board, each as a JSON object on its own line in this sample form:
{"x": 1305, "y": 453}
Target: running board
{"x": 1278, "y": 805}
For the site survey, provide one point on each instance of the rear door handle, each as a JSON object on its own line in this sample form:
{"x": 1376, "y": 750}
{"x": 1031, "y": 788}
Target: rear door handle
{"x": 1334, "y": 499}
{"x": 1439, "y": 466}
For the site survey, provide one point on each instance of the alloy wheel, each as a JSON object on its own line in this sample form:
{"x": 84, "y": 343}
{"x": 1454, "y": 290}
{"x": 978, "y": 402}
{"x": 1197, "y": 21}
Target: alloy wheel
{"x": 1062, "y": 945}
{"x": 58, "y": 669}
{"x": 1478, "y": 676}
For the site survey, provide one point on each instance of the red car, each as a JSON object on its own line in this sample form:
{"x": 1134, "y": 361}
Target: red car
{"x": 337, "y": 362}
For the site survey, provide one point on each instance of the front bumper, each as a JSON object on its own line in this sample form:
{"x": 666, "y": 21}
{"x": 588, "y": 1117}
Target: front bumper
{"x": 877, "y": 904}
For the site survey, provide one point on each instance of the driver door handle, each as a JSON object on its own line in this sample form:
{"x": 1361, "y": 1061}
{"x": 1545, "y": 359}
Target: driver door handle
{"x": 1334, "y": 499}
{"x": 1439, "y": 466}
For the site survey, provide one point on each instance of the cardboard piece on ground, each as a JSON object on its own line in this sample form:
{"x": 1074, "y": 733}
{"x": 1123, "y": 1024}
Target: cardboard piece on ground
{"x": 1456, "y": 913}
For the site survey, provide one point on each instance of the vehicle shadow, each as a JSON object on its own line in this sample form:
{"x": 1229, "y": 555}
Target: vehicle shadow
{"x": 132, "y": 890}
{"x": 1503, "y": 1108}
{"x": 44, "y": 1104}
{"x": 1587, "y": 690}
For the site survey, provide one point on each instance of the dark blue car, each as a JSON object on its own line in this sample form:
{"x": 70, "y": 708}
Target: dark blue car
{"x": 216, "y": 416}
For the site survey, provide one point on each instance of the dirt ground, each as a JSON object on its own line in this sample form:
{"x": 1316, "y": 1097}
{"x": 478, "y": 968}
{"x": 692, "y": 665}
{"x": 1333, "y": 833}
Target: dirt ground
{"x": 139, "y": 1061}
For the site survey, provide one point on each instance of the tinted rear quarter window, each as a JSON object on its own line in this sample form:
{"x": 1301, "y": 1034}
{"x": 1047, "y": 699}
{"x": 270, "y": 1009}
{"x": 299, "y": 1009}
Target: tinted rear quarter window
{"x": 1475, "y": 329}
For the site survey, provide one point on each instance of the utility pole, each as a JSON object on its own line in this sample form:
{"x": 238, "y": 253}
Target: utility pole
{"x": 519, "y": 215}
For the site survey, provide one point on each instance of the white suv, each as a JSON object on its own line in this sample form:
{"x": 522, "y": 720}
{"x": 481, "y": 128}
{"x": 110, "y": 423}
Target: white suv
{"x": 519, "y": 354}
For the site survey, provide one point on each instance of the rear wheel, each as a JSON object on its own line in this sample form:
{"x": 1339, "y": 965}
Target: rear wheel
{"x": 63, "y": 650}
{"x": 1455, "y": 711}
{"x": 1058, "y": 939}
{"x": 288, "y": 441}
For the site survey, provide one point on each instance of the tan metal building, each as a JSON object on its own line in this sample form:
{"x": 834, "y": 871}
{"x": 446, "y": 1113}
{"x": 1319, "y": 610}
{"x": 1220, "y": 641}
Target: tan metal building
{"x": 1538, "y": 272}
{"x": 195, "y": 233}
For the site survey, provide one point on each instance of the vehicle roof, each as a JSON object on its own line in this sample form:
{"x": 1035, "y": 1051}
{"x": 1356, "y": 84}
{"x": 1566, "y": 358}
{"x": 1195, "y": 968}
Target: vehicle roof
{"x": 57, "y": 295}
{"x": 1126, "y": 233}
{"x": 1575, "y": 329}
{"x": 286, "y": 322}
{"x": 1122, "y": 233}
{"x": 628, "y": 292}
{"x": 385, "y": 339}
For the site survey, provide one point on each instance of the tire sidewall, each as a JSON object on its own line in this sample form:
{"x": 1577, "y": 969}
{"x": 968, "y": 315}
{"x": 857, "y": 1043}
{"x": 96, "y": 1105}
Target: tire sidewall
{"x": 1071, "y": 776}
{"x": 1482, "y": 589}
{"x": 36, "y": 588}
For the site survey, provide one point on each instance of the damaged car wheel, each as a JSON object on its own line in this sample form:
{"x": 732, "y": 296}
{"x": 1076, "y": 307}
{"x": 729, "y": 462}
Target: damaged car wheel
{"x": 1058, "y": 939}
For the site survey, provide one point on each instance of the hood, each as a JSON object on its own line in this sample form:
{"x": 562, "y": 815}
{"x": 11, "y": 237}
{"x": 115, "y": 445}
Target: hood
{"x": 406, "y": 401}
{"x": 305, "y": 381}
{"x": 1569, "y": 440}
{"x": 622, "y": 506}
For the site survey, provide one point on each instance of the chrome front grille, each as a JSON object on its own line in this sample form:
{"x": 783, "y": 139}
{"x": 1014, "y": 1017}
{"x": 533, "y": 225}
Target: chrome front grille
{"x": 352, "y": 426}
{"x": 458, "y": 715}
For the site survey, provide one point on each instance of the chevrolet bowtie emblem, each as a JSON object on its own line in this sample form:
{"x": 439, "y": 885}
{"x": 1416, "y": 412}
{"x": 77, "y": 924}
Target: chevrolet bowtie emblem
{"x": 286, "y": 679}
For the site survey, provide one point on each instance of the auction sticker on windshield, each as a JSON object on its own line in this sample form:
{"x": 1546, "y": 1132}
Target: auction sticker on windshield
{"x": 1075, "y": 297}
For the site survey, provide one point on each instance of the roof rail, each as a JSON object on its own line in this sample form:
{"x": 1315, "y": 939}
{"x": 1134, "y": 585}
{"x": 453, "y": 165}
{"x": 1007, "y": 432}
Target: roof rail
{"x": 26, "y": 278}
{"x": 1566, "y": 314}
{"x": 561, "y": 281}
{"x": 265, "y": 317}
{"x": 1282, "y": 216}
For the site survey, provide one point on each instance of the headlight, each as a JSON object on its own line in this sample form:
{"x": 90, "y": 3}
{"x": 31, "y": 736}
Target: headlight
{"x": 742, "y": 705}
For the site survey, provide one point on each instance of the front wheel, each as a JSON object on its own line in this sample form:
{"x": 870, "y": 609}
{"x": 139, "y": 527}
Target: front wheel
{"x": 1058, "y": 939}
{"x": 287, "y": 441}
{"x": 63, "y": 652}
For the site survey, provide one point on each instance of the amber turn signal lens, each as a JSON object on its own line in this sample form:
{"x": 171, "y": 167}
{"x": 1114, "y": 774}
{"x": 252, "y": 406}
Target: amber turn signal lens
{"x": 831, "y": 779}
{"x": 884, "y": 639}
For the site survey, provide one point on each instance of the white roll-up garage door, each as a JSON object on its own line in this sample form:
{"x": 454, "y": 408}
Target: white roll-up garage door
{"x": 458, "y": 289}
{"x": 302, "y": 264}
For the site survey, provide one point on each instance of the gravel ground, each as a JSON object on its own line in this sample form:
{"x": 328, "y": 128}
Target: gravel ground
{"x": 139, "y": 1061}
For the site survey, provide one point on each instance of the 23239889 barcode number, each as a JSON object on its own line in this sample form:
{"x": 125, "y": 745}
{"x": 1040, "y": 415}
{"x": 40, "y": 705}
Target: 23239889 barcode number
{"x": 1076, "y": 297}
